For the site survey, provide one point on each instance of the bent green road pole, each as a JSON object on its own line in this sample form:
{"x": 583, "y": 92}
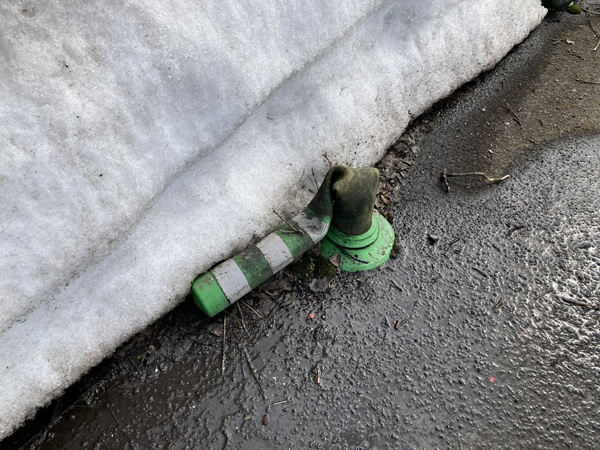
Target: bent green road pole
{"x": 231, "y": 280}
{"x": 360, "y": 236}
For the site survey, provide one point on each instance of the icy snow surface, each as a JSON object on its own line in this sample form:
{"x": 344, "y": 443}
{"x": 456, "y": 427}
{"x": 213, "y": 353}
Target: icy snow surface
{"x": 143, "y": 142}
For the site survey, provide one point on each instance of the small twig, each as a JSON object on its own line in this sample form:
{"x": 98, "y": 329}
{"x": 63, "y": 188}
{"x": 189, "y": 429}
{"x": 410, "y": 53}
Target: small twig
{"x": 478, "y": 174}
{"x": 590, "y": 11}
{"x": 302, "y": 177}
{"x": 453, "y": 241}
{"x": 152, "y": 338}
{"x": 396, "y": 285}
{"x": 137, "y": 367}
{"x": 499, "y": 304}
{"x": 279, "y": 403}
{"x": 445, "y": 178}
{"x": 583, "y": 304}
{"x": 515, "y": 228}
{"x": 596, "y": 47}
{"x": 399, "y": 323}
{"x": 510, "y": 110}
{"x": 224, "y": 344}
{"x": 242, "y": 319}
{"x": 315, "y": 178}
{"x": 327, "y": 158}
{"x": 577, "y": 55}
{"x": 253, "y": 370}
{"x": 296, "y": 230}
{"x": 586, "y": 81}
{"x": 251, "y": 309}
{"x": 596, "y": 34}
{"x": 479, "y": 271}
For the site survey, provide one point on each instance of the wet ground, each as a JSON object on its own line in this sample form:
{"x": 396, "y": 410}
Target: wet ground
{"x": 482, "y": 333}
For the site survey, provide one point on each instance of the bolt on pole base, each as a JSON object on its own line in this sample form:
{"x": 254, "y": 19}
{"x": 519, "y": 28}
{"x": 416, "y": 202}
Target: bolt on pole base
{"x": 362, "y": 252}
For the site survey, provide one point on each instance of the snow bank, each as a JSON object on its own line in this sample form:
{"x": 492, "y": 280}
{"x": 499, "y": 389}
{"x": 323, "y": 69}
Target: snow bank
{"x": 142, "y": 142}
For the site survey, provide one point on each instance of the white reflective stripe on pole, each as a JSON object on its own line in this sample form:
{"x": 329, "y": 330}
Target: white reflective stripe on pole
{"x": 314, "y": 227}
{"x": 232, "y": 280}
{"x": 275, "y": 252}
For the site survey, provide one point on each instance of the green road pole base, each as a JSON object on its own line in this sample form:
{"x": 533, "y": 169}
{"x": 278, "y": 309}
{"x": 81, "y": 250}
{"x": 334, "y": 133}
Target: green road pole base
{"x": 362, "y": 252}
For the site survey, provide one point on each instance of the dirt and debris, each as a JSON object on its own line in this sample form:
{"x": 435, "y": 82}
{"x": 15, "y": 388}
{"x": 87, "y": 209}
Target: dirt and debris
{"x": 393, "y": 170}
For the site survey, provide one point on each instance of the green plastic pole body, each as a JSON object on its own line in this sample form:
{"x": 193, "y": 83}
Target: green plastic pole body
{"x": 345, "y": 200}
{"x": 231, "y": 280}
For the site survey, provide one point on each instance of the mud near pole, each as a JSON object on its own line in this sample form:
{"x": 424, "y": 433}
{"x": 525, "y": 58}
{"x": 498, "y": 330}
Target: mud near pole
{"x": 482, "y": 332}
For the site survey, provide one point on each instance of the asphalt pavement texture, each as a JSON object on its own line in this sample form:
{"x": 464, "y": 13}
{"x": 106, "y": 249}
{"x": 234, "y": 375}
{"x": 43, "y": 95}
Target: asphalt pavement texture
{"x": 481, "y": 333}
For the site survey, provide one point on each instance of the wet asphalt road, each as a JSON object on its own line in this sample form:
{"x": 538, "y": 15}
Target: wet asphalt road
{"x": 483, "y": 332}
{"x": 478, "y": 343}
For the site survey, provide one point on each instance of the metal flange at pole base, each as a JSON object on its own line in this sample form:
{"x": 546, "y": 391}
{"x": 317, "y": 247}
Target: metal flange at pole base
{"x": 365, "y": 251}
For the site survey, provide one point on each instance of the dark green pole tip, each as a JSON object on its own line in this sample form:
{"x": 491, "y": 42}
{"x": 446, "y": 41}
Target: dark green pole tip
{"x": 208, "y": 295}
{"x": 365, "y": 251}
